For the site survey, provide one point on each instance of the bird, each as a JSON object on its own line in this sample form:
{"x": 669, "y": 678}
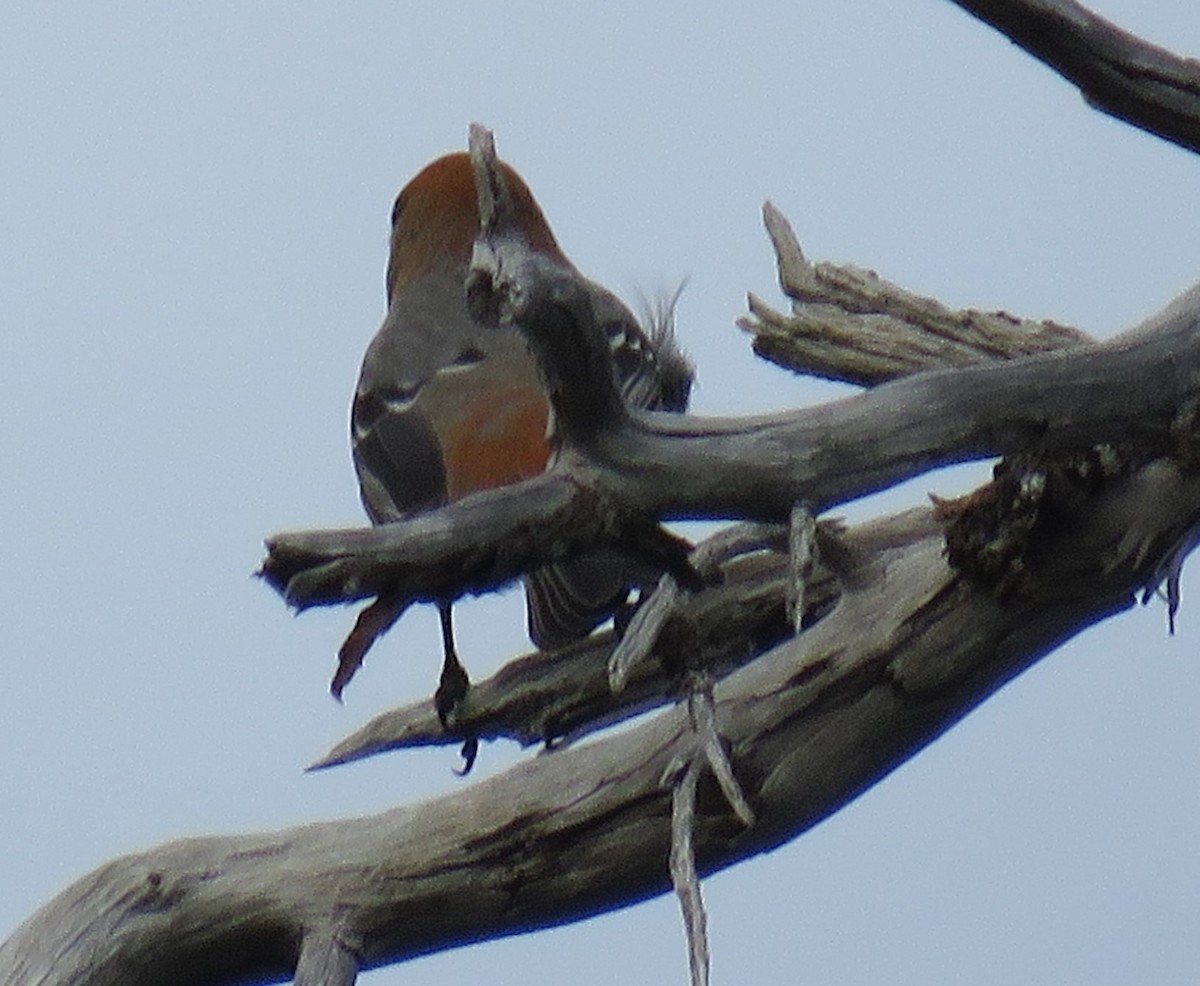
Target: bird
{"x": 445, "y": 406}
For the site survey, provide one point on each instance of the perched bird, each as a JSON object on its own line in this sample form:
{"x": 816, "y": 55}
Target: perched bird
{"x": 446, "y": 407}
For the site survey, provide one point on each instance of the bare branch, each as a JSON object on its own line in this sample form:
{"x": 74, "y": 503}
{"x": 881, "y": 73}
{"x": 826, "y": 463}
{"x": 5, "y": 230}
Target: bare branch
{"x": 668, "y": 600}
{"x": 1117, "y": 72}
{"x": 802, "y": 537}
{"x": 849, "y": 324}
{"x": 669, "y": 466}
{"x": 910, "y": 648}
{"x": 544, "y": 697}
{"x": 482, "y": 541}
{"x": 325, "y": 961}
{"x": 638, "y": 640}
{"x": 684, "y": 878}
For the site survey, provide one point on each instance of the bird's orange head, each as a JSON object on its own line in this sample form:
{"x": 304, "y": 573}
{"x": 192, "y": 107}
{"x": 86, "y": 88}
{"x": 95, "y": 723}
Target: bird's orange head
{"x": 436, "y": 219}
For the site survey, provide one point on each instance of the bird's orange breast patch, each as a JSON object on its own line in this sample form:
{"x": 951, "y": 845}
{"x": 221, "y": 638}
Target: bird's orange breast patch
{"x": 498, "y": 438}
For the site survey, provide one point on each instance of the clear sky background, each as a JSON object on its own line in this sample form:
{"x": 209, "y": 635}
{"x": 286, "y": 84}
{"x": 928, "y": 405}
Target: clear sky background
{"x": 194, "y": 207}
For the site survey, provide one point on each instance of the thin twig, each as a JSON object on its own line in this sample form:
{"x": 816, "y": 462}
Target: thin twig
{"x": 684, "y": 878}
{"x": 802, "y": 537}
{"x": 325, "y": 961}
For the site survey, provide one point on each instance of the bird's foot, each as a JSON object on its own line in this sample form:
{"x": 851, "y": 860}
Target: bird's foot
{"x": 451, "y": 690}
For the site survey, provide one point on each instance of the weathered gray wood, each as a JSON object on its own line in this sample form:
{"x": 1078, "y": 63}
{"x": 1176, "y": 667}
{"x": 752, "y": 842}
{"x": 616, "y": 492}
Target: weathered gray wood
{"x": 1116, "y": 72}
{"x": 542, "y": 697}
{"x": 325, "y": 960}
{"x": 910, "y": 649}
{"x": 850, "y": 324}
{"x": 679, "y": 466}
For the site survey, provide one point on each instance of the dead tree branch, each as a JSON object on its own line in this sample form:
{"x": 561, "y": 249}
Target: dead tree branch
{"x": 910, "y": 648}
{"x": 910, "y": 645}
{"x": 1126, "y": 391}
{"x": 484, "y": 541}
{"x": 850, "y": 324}
{"x": 1117, "y": 72}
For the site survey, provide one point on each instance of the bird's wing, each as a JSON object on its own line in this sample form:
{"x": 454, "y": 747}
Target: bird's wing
{"x": 565, "y": 601}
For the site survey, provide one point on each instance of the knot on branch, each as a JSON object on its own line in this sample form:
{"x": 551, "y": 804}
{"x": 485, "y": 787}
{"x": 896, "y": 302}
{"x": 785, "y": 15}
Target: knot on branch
{"x": 997, "y": 534}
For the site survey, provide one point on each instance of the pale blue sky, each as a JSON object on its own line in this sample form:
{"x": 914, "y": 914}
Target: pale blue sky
{"x": 195, "y": 202}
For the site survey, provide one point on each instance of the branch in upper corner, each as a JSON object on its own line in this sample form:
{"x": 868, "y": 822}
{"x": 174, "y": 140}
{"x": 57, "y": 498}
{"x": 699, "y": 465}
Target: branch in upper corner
{"x": 849, "y": 324}
{"x": 1117, "y": 72}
